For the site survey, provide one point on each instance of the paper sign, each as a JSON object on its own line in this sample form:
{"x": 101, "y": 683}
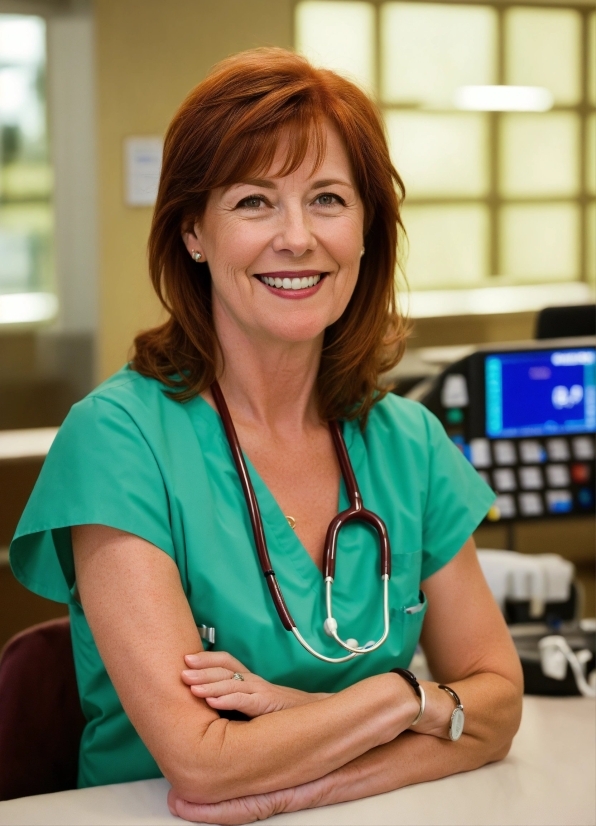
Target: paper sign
{"x": 142, "y": 166}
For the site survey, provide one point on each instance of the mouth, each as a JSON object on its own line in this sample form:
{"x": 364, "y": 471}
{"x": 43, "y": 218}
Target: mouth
{"x": 292, "y": 282}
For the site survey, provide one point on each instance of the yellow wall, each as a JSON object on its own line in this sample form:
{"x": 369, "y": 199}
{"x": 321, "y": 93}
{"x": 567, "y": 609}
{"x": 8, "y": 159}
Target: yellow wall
{"x": 150, "y": 53}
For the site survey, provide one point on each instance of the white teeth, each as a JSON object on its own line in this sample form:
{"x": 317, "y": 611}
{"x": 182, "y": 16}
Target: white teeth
{"x": 291, "y": 283}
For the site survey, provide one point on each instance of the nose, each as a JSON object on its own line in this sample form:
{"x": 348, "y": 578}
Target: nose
{"x": 294, "y": 233}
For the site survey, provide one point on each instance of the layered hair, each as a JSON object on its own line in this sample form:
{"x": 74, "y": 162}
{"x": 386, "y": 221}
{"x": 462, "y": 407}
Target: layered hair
{"x": 228, "y": 129}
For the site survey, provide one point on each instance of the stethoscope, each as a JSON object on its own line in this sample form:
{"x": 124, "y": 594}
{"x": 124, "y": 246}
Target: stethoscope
{"x": 355, "y": 513}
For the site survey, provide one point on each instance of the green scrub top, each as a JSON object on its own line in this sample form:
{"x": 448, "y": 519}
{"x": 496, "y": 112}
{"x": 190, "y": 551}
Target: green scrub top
{"x": 130, "y": 457}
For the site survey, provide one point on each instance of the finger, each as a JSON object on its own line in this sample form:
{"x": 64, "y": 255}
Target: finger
{"x": 249, "y": 704}
{"x": 206, "y": 675}
{"x": 221, "y": 688}
{"x": 230, "y": 812}
{"x": 214, "y": 659}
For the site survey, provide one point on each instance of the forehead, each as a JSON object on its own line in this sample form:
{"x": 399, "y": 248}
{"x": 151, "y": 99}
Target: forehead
{"x": 323, "y": 153}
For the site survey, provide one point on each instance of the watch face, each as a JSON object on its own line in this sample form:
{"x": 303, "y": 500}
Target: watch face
{"x": 457, "y": 724}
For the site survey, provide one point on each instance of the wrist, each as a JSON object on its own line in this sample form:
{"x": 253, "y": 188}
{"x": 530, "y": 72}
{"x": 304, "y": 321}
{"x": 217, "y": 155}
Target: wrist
{"x": 437, "y": 715}
{"x": 405, "y": 699}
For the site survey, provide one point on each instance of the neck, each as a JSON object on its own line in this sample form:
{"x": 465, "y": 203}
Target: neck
{"x": 270, "y": 383}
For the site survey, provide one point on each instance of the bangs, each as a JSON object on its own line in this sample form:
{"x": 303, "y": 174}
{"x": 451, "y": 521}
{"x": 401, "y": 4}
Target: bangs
{"x": 248, "y": 152}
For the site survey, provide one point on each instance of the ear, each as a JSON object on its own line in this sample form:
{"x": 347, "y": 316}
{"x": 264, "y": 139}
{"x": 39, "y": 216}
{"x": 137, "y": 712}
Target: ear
{"x": 192, "y": 239}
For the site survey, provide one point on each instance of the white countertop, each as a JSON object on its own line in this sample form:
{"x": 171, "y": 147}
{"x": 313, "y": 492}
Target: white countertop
{"x": 547, "y": 780}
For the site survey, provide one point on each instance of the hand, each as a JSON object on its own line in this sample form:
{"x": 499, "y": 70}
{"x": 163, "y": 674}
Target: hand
{"x": 210, "y": 676}
{"x": 254, "y": 807}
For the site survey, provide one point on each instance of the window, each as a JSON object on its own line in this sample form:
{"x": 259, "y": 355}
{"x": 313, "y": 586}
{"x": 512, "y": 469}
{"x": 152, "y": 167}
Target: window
{"x": 26, "y": 220}
{"x": 491, "y": 117}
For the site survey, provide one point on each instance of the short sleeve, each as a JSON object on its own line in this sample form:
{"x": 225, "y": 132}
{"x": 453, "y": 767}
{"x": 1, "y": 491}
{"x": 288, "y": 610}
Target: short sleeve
{"x": 457, "y": 499}
{"x": 99, "y": 470}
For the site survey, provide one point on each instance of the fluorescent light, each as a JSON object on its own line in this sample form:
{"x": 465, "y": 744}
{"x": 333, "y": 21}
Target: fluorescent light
{"x": 23, "y": 308}
{"x": 504, "y": 98}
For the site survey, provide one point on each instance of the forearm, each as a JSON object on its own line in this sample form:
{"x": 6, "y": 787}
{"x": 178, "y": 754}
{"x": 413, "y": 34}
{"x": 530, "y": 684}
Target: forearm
{"x": 492, "y": 709}
{"x": 292, "y": 747}
{"x": 493, "y": 712}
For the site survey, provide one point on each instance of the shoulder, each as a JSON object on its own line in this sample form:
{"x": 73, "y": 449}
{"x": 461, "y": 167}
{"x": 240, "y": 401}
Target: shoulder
{"x": 402, "y": 419}
{"x": 128, "y": 396}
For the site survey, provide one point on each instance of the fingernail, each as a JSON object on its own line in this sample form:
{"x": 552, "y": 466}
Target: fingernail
{"x": 192, "y": 659}
{"x": 188, "y": 672}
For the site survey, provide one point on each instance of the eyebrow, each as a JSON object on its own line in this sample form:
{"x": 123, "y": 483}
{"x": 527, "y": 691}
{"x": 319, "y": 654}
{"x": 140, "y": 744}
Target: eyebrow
{"x": 267, "y": 184}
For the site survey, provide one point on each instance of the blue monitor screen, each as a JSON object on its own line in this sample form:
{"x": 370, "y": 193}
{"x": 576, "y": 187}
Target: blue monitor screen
{"x": 540, "y": 392}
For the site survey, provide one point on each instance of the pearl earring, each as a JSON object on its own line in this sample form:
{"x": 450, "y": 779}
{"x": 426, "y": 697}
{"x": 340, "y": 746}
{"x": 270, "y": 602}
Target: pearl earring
{"x": 196, "y": 256}
{"x": 361, "y": 252}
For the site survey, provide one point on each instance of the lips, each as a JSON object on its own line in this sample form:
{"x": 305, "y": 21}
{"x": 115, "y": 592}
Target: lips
{"x": 289, "y": 281}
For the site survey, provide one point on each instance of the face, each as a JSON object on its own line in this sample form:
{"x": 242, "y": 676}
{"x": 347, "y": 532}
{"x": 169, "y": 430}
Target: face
{"x": 284, "y": 253}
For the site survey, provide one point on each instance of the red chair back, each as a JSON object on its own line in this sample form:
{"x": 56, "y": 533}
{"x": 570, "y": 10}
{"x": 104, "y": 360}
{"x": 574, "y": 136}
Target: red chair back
{"x": 41, "y": 721}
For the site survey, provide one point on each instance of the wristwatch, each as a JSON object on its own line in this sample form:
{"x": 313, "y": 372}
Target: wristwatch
{"x": 411, "y": 679}
{"x": 456, "y": 724}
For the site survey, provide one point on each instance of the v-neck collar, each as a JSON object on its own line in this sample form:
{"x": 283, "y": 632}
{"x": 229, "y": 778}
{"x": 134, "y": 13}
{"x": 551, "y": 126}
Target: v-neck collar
{"x": 282, "y": 542}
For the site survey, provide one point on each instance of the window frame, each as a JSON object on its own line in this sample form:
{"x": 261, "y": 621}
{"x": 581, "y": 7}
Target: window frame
{"x": 494, "y": 200}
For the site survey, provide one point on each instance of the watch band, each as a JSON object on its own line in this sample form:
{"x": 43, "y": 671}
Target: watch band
{"x": 411, "y": 679}
{"x": 456, "y": 723}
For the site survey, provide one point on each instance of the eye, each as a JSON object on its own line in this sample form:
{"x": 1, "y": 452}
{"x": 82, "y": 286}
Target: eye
{"x": 251, "y": 202}
{"x": 328, "y": 199}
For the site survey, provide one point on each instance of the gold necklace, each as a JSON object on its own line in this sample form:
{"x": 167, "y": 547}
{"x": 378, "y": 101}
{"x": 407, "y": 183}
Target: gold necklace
{"x": 291, "y": 522}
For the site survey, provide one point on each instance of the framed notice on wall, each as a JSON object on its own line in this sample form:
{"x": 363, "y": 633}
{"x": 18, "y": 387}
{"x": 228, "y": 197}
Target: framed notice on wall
{"x": 142, "y": 167}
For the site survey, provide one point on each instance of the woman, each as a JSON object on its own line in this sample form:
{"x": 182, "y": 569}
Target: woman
{"x": 273, "y": 249}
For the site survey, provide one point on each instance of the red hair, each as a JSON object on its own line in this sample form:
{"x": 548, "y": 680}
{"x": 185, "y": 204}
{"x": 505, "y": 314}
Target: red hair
{"x": 228, "y": 129}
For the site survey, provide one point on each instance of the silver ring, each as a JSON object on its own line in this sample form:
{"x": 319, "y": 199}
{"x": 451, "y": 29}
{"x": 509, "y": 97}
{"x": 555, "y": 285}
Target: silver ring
{"x": 237, "y": 676}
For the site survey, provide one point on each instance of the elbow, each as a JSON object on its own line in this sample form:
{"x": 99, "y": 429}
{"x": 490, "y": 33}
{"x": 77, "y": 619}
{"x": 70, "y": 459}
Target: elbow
{"x": 507, "y": 725}
{"x": 199, "y": 772}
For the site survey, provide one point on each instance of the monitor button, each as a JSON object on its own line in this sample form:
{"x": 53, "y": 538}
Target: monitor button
{"x": 583, "y": 447}
{"x": 530, "y": 504}
{"x": 580, "y": 473}
{"x": 585, "y": 498}
{"x": 559, "y": 501}
{"x": 531, "y": 452}
{"x": 531, "y": 478}
{"x": 558, "y": 450}
{"x": 504, "y": 479}
{"x": 480, "y": 453}
{"x": 504, "y": 452}
{"x": 557, "y": 476}
{"x": 505, "y": 506}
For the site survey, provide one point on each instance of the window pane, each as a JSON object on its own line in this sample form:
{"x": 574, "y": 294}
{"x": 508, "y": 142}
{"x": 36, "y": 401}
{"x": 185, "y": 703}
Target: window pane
{"x": 25, "y": 247}
{"x": 591, "y": 154}
{"x": 540, "y": 154}
{"x": 429, "y": 50}
{"x": 25, "y": 172}
{"x": 338, "y": 36}
{"x": 543, "y": 48}
{"x": 447, "y": 245}
{"x": 440, "y": 154}
{"x": 540, "y": 242}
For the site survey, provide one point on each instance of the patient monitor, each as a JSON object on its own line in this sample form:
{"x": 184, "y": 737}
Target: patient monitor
{"x": 525, "y": 416}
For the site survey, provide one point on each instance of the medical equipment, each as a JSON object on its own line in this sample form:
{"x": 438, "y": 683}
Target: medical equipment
{"x": 524, "y": 414}
{"x": 355, "y": 513}
{"x": 559, "y": 662}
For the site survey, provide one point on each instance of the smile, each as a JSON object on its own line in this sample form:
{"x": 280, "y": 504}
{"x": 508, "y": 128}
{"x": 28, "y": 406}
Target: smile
{"x": 294, "y": 283}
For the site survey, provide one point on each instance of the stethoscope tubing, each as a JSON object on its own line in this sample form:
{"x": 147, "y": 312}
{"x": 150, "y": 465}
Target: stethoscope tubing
{"x": 356, "y": 512}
